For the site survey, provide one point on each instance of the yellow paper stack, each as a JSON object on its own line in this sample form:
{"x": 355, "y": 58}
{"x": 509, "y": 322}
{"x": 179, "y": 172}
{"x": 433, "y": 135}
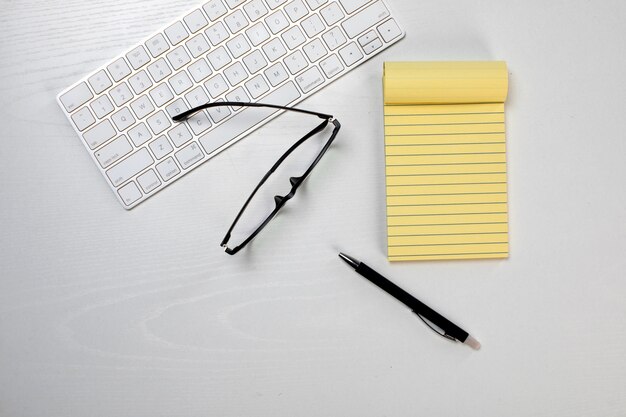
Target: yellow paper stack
{"x": 445, "y": 160}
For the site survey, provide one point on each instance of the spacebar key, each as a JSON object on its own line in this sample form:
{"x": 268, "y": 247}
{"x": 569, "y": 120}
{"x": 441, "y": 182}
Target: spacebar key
{"x": 248, "y": 118}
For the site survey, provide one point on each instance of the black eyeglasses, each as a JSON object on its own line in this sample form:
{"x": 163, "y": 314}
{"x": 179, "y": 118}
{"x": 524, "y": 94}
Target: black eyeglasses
{"x": 255, "y": 210}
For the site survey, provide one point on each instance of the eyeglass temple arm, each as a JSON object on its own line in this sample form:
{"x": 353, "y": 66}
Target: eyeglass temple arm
{"x": 187, "y": 114}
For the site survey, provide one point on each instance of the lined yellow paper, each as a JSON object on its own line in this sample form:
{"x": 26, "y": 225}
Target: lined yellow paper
{"x": 445, "y": 160}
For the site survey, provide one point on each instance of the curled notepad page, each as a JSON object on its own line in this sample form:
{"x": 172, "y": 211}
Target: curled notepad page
{"x": 445, "y": 157}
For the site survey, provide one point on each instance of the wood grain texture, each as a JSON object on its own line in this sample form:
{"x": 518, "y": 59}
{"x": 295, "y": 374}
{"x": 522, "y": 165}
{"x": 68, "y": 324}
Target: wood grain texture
{"x": 105, "y": 312}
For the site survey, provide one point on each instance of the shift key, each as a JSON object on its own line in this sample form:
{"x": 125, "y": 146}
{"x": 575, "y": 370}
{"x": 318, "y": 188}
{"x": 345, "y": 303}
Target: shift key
{"x": 365, "y": 19}
{"x": 129, "y": 167}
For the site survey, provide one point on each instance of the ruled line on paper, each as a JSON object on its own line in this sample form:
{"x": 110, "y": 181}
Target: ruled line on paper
{"x": 439, "y": 114}
{"x": 446, "y": 134}
{"x": 451, "y": 173}
{"x": 443, "y": 124}
{"x": 443, "y": 255}
{"x": 451, "y": 244}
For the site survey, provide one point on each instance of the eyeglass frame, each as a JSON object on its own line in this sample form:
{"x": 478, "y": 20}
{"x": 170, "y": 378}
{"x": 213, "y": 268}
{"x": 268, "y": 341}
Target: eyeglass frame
{"x": 295, "y": 182}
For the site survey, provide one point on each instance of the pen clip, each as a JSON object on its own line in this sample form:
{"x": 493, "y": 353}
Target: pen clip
{"x": 440, "y": 333}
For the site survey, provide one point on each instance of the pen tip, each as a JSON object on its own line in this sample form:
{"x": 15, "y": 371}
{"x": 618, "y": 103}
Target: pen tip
{"x": 473, "y": 343}
{"x": 349, "y": 260}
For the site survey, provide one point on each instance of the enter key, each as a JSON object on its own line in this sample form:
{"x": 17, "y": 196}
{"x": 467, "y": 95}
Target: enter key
{"x": 365, "y": 19}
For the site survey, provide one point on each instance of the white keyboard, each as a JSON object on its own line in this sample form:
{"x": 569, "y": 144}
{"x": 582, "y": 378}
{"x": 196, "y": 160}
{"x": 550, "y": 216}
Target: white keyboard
{"x": 272, "y": 51}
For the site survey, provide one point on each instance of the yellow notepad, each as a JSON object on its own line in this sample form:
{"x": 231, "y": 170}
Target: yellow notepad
{"x": 445, "y": 160}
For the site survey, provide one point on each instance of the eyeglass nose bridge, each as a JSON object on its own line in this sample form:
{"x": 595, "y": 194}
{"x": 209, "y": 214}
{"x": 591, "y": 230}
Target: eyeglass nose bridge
{"x": 278, "y": 200}
{"x": 295, "y": 180}
{"x": 282, "y": 199}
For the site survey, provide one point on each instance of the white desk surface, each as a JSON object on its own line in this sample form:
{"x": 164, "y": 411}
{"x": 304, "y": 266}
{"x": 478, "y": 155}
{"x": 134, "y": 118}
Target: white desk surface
{"x": 105, "y": 312}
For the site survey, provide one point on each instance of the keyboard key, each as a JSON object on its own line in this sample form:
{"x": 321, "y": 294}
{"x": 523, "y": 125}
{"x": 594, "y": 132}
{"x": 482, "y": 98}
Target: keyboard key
{"x": 238, "y": 46}
{"x": 367, "y": 38}
{"x": 352, "y": 5}
{"x": 257, "y": 86}
{"x": 310, "y": 79}
{"x": 219, "y": 58}
{"x": 331, "y": 66}
{"x": 236, "y": 21}
{"x": 179, "y": 135}
{"x": 180, "y": 82}
{"x": 197, "y": 97}
{"x": 99, "y": 134}
{"x": 157, "y": 45}
{"x": 257, "y": 34}
{"x": 234, "y": 3}
{"x": 114, "y": 151}
{"x": 334, "y": 38}
{"x": 255, "y": 61}
{"x": 138, "y": 57}
{"x": 178, "y": 58}
{"x": 100, "y": 81}
{"x": 159, "y": 70}
{"x": 293, "y": 37}
{"x": 313, "y": 25}
{"x": 168, "y": 169}
{"x": 238, "y": 94}
{"x": 218, "y": 113}
{"x": 199, "y": 122}
{"x": 296, "y": 62}
{"x": 199, "y": 70}
{"x": 296, "y": 10}
{"x": 129, "y": 193}
{"x": 142, "y": 107}
{"x": 149, "y": 181}
{"x": 121, "y": 94}
{"x": 139, "y": 134}
{"x": 197, "y": 45}
{"x": 315, "y": 50}
{"x": 365, "y": 19}
{"x": 275, "y": 3}
{"x": 276, "y": 74}
{"x": 196, "y": 21}
{"x": 350, "y": 54}
{"x": 123, "y": 119}
{"x": 274, "y": 49}
{"x": 76, "y": 97}
{"x": 176, "y": 33}
{"x": 130, "y": 167}
{"x": 159, "y": 122}
{"x": 255, "y": 9}
{"x": 277, "y": 21}
{"x": 189, "y": 155}
{"x": 235, "y": 73}
{"x": 331, "y": 13}
{"x": 214, "y": 9}
{"x": 315, "y": 4}
{"x": 160, "y": 147}
{"x": 101, "y": 106}
{"x": 372, "y": 46}
{"x": 216, "y": 86}
{"x": 161, "y": 94}
{"x": 217, "y": 33}
{"x": 248, "y": 118}
{"x": 83, "y": 119}
{"x": 119, "y": 69}
{"x": 177, "y": 107}
{"x": 140, "y": 82}
{"x": 389, "y": 30}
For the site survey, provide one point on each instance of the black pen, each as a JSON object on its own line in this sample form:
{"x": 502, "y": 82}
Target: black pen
{"x": 450, "y": 330}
